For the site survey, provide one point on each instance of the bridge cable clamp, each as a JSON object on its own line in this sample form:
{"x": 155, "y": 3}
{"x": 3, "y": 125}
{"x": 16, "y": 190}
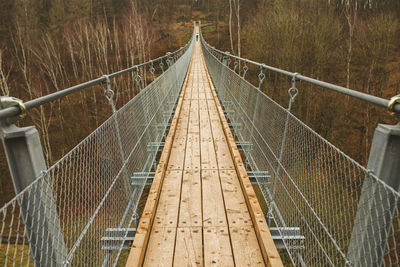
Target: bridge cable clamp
{"x": 161, "y": 66}
{"x": 138, "y": 79}
{"x": 261, "y": 77}
{"x": 152, "y": 69}
{"x": 108, "y": 93}
{"x": 9, "y": 101}
{"x": 293, "y": 91}
{"x": 236, "y": 64}
{"x": 227, "y": 57}
{"x": 245, "y": 69}
{"x": 394, "y": 100}
{"x": 370, "y": 172}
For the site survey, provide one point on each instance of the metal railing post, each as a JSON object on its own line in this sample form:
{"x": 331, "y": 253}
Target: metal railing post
{"x": 26, "y": 162}
{"x": 377, "y": 204}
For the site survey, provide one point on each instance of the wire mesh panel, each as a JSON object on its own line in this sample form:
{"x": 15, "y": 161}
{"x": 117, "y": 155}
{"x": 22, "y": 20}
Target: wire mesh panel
{"x": 312, "y": 184}
{"x": 72, "y": 204}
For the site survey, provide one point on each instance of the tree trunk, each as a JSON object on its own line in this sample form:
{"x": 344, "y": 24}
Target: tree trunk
{"x": 238, "y": 26}
{"x": 230, "y": 26}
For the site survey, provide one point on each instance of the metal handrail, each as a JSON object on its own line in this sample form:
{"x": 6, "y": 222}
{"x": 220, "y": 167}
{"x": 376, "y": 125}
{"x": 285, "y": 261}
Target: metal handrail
{"x": 393, "y": 104}
{"x": 16, "y": 110}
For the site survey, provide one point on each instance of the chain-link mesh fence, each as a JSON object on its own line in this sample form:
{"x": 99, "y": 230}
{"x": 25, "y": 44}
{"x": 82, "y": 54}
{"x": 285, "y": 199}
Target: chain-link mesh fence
{"x": 312, "y": 184}
{"x": 61, "y": 218}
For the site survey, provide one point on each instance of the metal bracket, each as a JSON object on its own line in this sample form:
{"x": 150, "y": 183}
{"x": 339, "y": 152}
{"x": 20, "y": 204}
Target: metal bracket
{"x": 140, "y": 178}
{"x": 9, "y": 101}
{"x": 227, "y": 103}
{"x": 118, "y": 238}
{"x": 244, "y": 145}
{"x": 259, "y": 177}
{"x": 168, "y": 114}
{"x": 108, "y": 93}
{"x": 292, "y": 234}
{"x": 394, "y": 100}
{"x": 163, "y": 126}
{"x": 155, "y": 146}
{"x": 228, "y": 112}
{"x": 235, "y": 126}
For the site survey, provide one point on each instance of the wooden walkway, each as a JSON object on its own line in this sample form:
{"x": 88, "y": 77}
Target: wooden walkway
{"x": 201, "y": 209}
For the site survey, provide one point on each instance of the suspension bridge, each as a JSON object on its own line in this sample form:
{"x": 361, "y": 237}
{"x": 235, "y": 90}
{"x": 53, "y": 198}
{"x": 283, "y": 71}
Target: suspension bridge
{"x": 234, "y": 178}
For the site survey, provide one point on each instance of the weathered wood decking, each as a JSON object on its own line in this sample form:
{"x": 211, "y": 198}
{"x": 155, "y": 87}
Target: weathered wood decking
{"x": 201, "y": 209}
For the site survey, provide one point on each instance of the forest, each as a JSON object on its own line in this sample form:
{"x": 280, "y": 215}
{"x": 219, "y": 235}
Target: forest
{"x": 46, "y": 46}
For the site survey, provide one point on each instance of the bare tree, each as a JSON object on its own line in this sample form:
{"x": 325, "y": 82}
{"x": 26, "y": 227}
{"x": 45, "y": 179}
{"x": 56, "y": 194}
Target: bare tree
{"x": 4, "y": 77}
{"x": 23, "y": 55}
{"x": 230, "y": 25}
{"x": 350, "y": 11}
{"x": 237, "y": 8}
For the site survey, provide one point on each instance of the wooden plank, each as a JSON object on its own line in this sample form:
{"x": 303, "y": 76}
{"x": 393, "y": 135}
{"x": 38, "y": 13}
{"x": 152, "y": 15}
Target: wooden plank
{"x": 202, "y": 94}
{"x": 195, "y": 92}
{"x": 246, "y": 250}
{"x": 217, "y": 130}
{"x": 190, "y": 206}
{"x": 208, "y": 156}
{"x": 209, "y": 95}
{"x": 194, "y": 123}
{"x": 224, "y": 158}
{"x": 213, "y": 203}
{"x": 210, "y": 102}
{"x": 217, "y": 247}
{"x": 168, "y": 205}
{"x": 192, "y": 155}
{"x": 189, "y": 247}
{"x": 190, "y": 213}
{"x": 269, "y": 251}
{"x": 235, "y": 204}
{"x": 161, "y": 245}
{"x": 183, "y": 121}
{"x": 189, "y": 90}
{"x": 177, "y": 158}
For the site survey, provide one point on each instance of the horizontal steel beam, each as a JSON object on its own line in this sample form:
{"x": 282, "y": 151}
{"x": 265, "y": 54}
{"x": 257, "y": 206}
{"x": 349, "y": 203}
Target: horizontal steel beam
{"x": 139, "y": 178}
{"x": 155, "y": 146}
{"x": 228, "y": 111}
{"x": 259, "y": 177}
{"x": 289, "y": 235}
{"x": 235, "y": 126}
{"x": 118, "y": 238}
{"x": 163, "y": 126}
{"x": 243, "y": 145}
{"x": 227, "y": 103}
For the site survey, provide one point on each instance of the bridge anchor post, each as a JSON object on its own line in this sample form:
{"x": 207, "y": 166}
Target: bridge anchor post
{"x": 377, "y": 204}
{"x": 38, "y": 209}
